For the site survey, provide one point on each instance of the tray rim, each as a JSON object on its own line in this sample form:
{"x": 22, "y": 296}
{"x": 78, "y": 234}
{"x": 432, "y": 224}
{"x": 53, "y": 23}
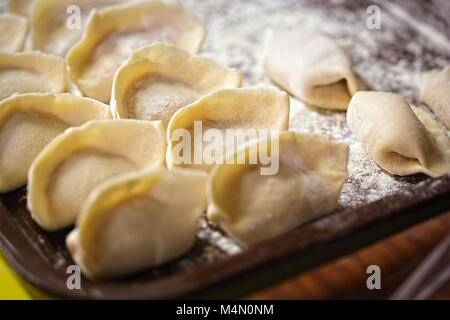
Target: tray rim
{"x": 25, "y": 260}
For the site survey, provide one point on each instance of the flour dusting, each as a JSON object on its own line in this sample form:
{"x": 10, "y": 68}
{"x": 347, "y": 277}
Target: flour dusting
{"x": 390, "y": 59}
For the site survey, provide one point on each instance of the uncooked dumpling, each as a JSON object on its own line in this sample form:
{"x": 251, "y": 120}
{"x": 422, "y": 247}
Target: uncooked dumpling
{"x": 246, "y": 108}
{"x": 112, "y": 34}
{"x": 13, "y": 31}
{"x": 32, "y": 72}
{"x": 310, "y": 66}
{"x": 253, "y": 207}
{"x": 29, "y": 122}
{"x": 73, "y": 164}
{"x": 138, "y": 221}
{"x": 22, "y": 7}
{"x": 56, "y": 25}
{"x": 435, "y": 92}
{"x": 161, "y": 78}
{"x": 399, "y": 139}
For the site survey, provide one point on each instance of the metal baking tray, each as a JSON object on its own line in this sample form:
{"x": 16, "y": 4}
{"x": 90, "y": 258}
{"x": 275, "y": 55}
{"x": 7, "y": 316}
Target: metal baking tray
{"x": 42, "y": 258}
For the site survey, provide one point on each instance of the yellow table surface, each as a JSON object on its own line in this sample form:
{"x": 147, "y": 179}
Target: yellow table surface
{"x": 13, "y": 287}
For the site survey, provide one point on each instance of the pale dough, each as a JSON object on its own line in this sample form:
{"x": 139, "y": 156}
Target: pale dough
{"x": 310, "y": 66}
{"x": 435, "y": 92}
{"x": 243, "y": 108}
{"x": 13, "y": 31}
{"x": 113, "y": 34}
{"x": 160, "y": 79}
{"x": 56, "y": 25}
{"x": 74, "y": 163}
{"x": 34, "y": 71}
{"x": 29, "y": 122}
{"x": 252, "y": 207}
{"x": 138, "y": 221}
{"x": 398, "y": 139}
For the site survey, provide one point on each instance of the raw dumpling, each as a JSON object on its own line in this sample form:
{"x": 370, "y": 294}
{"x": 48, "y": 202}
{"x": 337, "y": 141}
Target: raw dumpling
{"x": 435, "y": 92}
{"x": 13, "y": 31}
{"x": 73, "y": 164}
{"x": 56, "y": 25}
{"x": 399, "y": 139}
{"x": 161, "y": 78}
{"x": 138, "y": 221}
{"x": 253, "y": 207}
{"x": 310, "y": 66}
{"x": 29, "y": 122}
{"x": 31, "y": 72}
{"x": 246, "y": 108}
{"x": 22, "y": 7}
{"x": 112, "y": 34}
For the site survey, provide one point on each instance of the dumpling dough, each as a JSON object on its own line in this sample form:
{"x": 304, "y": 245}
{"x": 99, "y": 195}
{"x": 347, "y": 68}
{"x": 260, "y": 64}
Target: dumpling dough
{"x": 22, "y": 7}
{"x": 73, "y": 164}
{"x": 138, "y": 221}
{"x": 161, "y": 78}
{"x": 399, "y": 139}
{"x": 435, "y": 92}
{"x": 13, "y": 31}
{"x": 246, "y": 108}
{"x": 31, "y": 72}
{"x": 112, "y": 34}
{"x": 50, "y": 19}
{"x": 310, "y": 66}
{"x": 29, "y": 122}
{"x": 253, "y": 207}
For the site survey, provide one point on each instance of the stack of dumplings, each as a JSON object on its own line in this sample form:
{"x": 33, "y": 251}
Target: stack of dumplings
{"x": 33, "y": 71}
{"x": 28, "y": 122}
{"x": 52, "y": 32}
{"x": 81, "y": 158}
{"x": 155, "y": 212}
{"x": 112, "y": 34}
{"x": 243, "y": 108}
{"x": 91, "y": 120}
{"x": 159, "y": 79}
